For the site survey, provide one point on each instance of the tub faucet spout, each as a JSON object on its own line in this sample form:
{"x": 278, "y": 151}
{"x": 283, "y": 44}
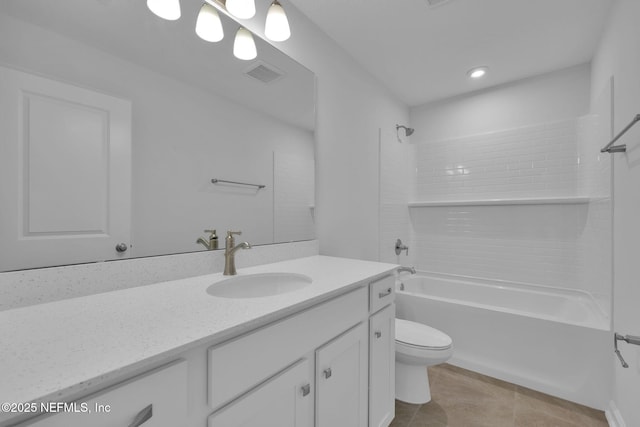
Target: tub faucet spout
{"x": 411, "y": 270}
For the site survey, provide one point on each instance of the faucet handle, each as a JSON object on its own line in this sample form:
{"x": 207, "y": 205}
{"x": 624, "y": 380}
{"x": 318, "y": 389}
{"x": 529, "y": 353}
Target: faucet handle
{"x": 210, "y": 231}
{"x": 231, "y": 233}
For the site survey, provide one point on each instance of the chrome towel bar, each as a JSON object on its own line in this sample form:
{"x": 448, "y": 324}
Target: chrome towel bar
{"x": 215, "y": 181}
{"x": 629, "y": 339}
{"x": 610, "y": 148}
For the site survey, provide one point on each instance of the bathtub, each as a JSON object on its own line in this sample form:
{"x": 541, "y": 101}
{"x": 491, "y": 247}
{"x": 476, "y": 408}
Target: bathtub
{"x": 556, "y": 341}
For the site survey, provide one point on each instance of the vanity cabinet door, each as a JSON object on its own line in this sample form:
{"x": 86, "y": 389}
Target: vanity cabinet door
{"x": 284, "y": 401}
{"x": 341, "y": 380}
{"x": 382, "y": 367}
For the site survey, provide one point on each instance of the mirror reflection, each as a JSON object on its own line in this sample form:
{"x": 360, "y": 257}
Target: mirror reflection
{"x": 126, "y": 135}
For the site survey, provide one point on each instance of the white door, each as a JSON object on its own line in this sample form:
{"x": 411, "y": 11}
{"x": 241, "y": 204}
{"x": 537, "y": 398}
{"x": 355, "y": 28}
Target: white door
{"x": 382, "y": 367}
{"x": 65, "y": 173}
{"x": 342, "y": 380}
{"x": 284, "y": 401}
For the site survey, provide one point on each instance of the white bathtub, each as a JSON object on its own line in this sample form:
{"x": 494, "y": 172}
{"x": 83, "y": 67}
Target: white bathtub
{"x": 556, "y": 341}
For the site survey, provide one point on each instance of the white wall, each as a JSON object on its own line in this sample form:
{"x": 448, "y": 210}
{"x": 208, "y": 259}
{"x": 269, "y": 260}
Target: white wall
{"x": 352, "y": 107}
{"x": 550, "y": 97}
{"x": 619, "y": 55}
{"x": 182, "y": 137}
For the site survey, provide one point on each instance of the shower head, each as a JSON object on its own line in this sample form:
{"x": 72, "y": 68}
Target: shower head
{"x": 407, "y": 131}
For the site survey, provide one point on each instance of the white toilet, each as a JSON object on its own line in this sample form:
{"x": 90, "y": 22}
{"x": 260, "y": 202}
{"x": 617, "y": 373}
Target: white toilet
{"x": 418, "y": 346}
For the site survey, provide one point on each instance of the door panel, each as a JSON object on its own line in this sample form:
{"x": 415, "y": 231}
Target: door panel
{"x": 65, "y": 173}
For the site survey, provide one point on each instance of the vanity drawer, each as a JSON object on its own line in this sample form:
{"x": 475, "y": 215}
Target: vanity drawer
{"x": 159, "y": 396}
{"x": 382, "y": 292}
{"x": 238, "y": 365}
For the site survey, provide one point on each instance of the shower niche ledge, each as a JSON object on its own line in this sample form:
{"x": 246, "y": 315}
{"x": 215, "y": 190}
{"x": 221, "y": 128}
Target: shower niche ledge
{"x": 567, "y": 200}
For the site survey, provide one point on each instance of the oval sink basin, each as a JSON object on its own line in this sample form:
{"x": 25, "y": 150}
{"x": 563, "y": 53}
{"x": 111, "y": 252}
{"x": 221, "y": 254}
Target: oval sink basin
{"x": 259, "y": 285}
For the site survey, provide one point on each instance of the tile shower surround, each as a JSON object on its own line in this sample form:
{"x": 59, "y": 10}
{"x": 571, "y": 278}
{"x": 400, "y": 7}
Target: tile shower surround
{"x": 531, "y": 161}
{"x": 554, "y": 245}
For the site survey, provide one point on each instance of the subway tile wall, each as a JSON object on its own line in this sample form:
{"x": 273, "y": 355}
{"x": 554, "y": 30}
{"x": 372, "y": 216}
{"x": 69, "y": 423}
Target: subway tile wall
{"x": 536, "y": 244}
{"x": 560, "y": 245}
{"x": 533, "y": 161}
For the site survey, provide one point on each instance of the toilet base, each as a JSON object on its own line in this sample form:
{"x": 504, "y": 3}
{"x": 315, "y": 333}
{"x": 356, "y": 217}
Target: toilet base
{"x": 412, "y": 383}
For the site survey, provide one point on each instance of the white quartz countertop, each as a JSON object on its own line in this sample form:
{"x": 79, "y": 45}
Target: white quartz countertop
{"x": 58, "y": 349}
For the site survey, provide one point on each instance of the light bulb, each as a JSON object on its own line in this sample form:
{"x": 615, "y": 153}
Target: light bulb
{"x": 477, "y": 72}
{"x": 243, "y": 9}
{"x": 208, "y": 24}
{"x": 244, "y": 47}
{"x": 277, "y": 25}
{"x": 165, "y": 9}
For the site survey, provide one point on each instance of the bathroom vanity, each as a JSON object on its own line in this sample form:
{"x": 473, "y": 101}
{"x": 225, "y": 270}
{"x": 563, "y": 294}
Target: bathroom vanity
{"x": 172, "y": 354}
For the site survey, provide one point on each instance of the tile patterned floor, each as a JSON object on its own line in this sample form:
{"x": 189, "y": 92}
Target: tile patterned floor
{"x": 462, "y": 398}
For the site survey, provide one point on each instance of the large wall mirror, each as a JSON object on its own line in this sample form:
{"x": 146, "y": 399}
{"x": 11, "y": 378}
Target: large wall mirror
{"x": 114, "y": 123}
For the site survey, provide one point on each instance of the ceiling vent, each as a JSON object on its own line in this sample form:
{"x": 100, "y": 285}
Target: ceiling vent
{"x": 264, "y": 72}
{"x": 435, "y": 3}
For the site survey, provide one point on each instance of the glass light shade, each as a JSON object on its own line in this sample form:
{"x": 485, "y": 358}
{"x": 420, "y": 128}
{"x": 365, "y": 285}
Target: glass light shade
{"x": 244, "y": 46}
{"x": 243, "y": 9}
{"x": 208, "y": 24}
{"x": 277, "y": 25}
{"x": 165, "y": 9}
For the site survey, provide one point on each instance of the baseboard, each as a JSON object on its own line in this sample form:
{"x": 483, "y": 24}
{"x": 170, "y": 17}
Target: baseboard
{"x": 614, "y": 417}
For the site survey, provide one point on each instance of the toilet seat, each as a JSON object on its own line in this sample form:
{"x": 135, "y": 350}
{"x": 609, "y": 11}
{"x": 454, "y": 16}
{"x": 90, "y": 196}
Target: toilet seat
{"x": 418, "y": 336}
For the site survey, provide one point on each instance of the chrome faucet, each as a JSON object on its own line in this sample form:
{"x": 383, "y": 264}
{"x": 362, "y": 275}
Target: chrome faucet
{"x": 230, "y": 251}
{"x": 411, "y": 270}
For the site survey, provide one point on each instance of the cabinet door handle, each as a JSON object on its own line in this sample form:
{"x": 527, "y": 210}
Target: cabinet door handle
{"x": 385, "y": 293}
{"x": 378, "y": 334}
{"x": 306, "y": 389}
{"x": 327, "y": 373}
{"x": 142, "y": 417}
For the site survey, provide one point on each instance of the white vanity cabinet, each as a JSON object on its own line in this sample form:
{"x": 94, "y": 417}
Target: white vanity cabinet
{"x": 268, "y": 365}
{"x": 154, "y": 399}
{"x": 382, "y": 352}
{"x": 325, "y": 364}
{"x": 331, "y": 365}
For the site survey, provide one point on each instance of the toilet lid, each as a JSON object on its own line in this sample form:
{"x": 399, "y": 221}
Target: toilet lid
{"x": 419, "y": 335}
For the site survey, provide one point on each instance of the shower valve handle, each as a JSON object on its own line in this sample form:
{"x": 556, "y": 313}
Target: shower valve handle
{"x": 400, "y": 247}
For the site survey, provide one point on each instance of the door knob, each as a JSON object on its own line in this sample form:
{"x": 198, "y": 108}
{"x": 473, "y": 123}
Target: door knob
{"x": 121, "y": 247}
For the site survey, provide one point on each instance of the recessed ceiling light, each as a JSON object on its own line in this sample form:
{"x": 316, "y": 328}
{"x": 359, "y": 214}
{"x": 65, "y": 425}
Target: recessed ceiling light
{"x": 477, "y": 72}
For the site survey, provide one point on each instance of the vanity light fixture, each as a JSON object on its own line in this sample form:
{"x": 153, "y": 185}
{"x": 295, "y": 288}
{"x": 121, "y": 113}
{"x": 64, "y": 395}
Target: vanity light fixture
{"x": 244, "y": 47}
{"x": 477, "y": 72}
{"x": 208, "y": 24}
{"x": 243, "y": 9}
{"x": 277, "y": 25}
{"x": 165, "y": 9}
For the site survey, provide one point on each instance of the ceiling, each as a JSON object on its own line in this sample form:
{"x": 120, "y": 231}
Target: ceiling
{"x": 422, "y": 53}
